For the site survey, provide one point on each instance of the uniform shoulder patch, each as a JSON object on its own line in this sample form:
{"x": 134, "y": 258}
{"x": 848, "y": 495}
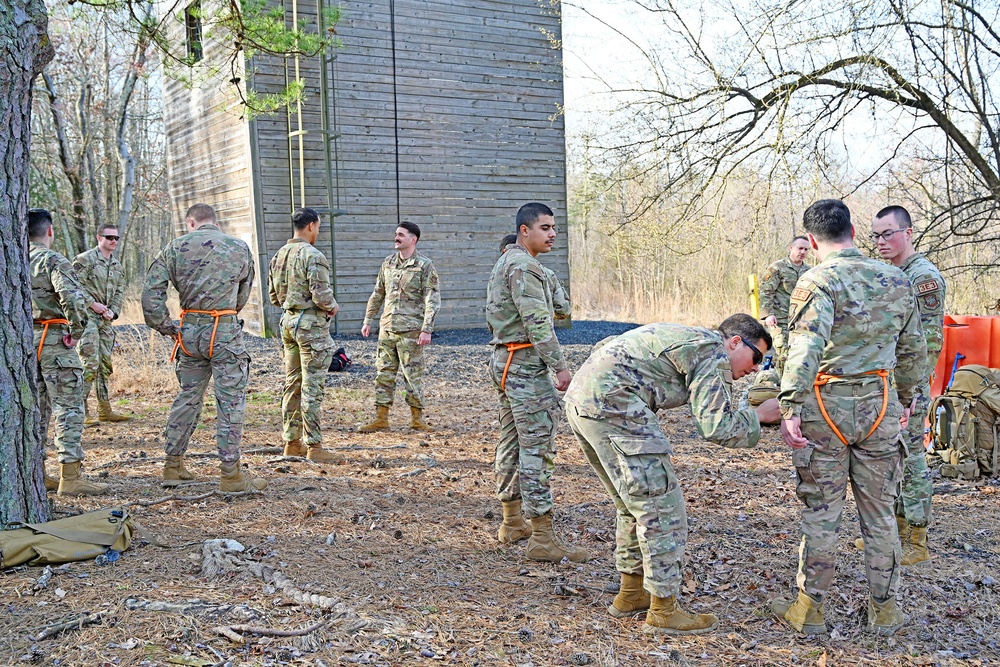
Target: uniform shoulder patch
{"x": 801, "y": 294}
{"x": 931, "y": 301}
{"x": 926, "y": 286}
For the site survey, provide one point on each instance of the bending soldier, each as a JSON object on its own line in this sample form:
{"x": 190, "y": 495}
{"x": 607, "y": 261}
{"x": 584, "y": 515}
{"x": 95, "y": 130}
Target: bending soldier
{"x": 59, "y": 311}
{"x": 775, "y": 292}
{"x": 212, "y": 273}
{"x": 298, "y": 282}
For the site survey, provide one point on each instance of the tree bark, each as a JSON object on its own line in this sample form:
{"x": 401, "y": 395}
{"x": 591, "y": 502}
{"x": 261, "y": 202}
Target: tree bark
{"x": 24, "y": 50}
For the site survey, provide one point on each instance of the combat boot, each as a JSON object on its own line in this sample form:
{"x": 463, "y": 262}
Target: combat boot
{"x": 631, "y": 598}
{"x": 70, "y": 483}
{"x": 805, "y": 614}
{"x": 233, "y": 481}
{"x": 295, "y": 448}
{"x": 88, "y": 419}
{"x": 514, "y": 528}
{"x": 380, "y": 423}
{"x": 902, "y": 527}
{"x": 51, "y": 483}
{"x": 319, "y": 455}
{"x": 884, "y": 618}
{"x": 665, "y": 617}
{"x": 915, "y": 550}
{"x": 417, "y": 422}
{"x": 106, "y": 414}
{"x": 174, "y": 472}
{"x": 545, "y": 545}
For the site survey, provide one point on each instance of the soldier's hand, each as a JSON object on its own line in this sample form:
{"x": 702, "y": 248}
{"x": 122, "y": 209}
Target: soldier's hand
{"x": 563, "y": 378}
{"x": 366, "y": 330}
{"x": 109, "y": 314}
{"x": 904, "y": 421}
{"x": 68, "y": 340}
{"x": 424, "y": 338}
{"x": 792, "y": 434}
{"x": 769, "y": 412}
{"x": 770, "y": 321}
{"x": 98, "y": 308}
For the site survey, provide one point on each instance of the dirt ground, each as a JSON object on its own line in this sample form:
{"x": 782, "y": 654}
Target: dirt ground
{"x": 404, "y": 536}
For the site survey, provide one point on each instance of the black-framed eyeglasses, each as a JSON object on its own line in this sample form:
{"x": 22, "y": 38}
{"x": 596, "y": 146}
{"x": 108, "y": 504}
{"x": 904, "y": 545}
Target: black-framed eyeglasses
{"x": 110, "y": 237}
{"x": 758, "y": 356}
{"x": 886, "y": 235}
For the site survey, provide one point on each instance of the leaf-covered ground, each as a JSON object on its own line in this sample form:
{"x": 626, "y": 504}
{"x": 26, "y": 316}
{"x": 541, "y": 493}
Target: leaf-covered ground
{"x": 404, "y": 535}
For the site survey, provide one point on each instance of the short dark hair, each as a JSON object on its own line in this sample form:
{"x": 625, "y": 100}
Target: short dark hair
{"x": 507, "y": 240}
{"x": 798, "y": 238}
{"x": 529, "y": 213}
{"x": 410, "y": 227}
{"x": 828, "y": 220}
{"x": 39, "y": 222}
{"x": 303, "y": 217}
{"x": 746, "y": 326}
{"x": 106, "y": 225}
{"x": 201, "y": 213}
{"x": 901, "y": 214}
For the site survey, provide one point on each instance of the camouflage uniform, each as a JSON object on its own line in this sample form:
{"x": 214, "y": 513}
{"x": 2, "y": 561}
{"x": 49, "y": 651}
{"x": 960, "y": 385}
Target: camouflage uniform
{"x": 211, "y": 271}
{"x": 299, "y": 283}
{"x": 519, "y": 309}
{"x": 915, "y": 500}
{"x": 409, "y": 289}
{"x": 104, "y": 280}
{"x": 849, "y": 316}
{"x": 562, "y": 308}
{"x": 56, "y": 294}
{"x": 775, "y": 291}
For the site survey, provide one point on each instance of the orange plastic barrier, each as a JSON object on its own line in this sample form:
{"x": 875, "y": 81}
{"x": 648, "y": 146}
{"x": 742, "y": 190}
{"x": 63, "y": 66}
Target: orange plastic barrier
{"x": 975, "y": 337}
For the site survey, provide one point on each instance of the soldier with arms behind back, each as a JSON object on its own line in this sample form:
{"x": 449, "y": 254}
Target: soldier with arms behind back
{"x": 853, "y": 325}
{"x": 213, "y": 273}
{"x": 775, "y": 293}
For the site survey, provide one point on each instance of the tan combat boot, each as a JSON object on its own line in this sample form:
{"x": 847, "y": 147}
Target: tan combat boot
{"x": 380, "y": 423}
{"x": 631, "y": 598}
{"x": 233, "y": 481}
{"x": 174, "y": 472}
{"x": 51, "y": 483}
{"x": 665, "y": 617}
{"x": 295, "y": 448}
{"x": 514, "y": 528}
{"x": 70, "y": 483}
{"x": 88, "y": 419}
{"x": 319, "y": 455}
{"x": 805, "y": 614}
{"x": 902, "y": 527}
{"x": 106, "y": 414}
{"x": 915, "y": 550}
{"x": 884, "y": 618}
{"x": 545, "y": 545}
{"x": 417, "y": 422}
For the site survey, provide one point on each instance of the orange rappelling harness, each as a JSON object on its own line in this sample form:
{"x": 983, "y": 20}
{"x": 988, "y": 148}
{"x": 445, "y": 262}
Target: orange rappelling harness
{"x": 45, "y": 330}
{"x": 511, "y": 349}
{"x": 824, "y": 378}
{"x": 216, "y": 314}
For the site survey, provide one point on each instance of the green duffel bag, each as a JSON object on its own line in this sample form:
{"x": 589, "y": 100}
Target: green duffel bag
{"x": 79, "y": 537}
{"x": 765, "y": 386}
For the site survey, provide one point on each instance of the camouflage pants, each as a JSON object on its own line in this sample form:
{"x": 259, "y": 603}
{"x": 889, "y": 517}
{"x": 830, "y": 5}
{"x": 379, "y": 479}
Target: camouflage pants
{"x": 915, "y": 500}
{"x": 779, "y": 339}
{"x": 60, "y": 394}
{"x": 632, "y": 460}
{"x": 871, "y": 465}
{"x": 308, "y": 353}
{"x": 525, "y": 455}
{"x": 95, "y": 348}
{"x": 396, "y": 350}
{"x": 229, "y": 367}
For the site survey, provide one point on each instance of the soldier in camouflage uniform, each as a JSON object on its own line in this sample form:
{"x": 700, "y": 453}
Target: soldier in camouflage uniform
{"x": 892, "y": 232}
{"x": 775, "y": 291}
{"x": 212, "y": 272}
{"x": 562, "y": 307}
{"x": 103, "y": 278}
{"x": 59, "y": 311}
{"x": 611, "y": 406}
{"x": 853, "y": 324}
{"x": 519, "y": 314}
{"x": 298, "y": 282}
{"x": 407, "y": 284}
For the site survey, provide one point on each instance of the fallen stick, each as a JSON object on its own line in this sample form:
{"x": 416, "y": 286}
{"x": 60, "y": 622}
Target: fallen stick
{"x": 167, "y": 499}
{"x": 230, "y": 630}
{"x": 76, "y": 623}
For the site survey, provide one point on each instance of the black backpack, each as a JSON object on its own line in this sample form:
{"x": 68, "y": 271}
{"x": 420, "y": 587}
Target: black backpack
{"x": 341, "y": 362}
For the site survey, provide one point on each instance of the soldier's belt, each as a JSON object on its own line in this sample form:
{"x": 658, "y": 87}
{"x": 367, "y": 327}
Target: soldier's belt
{"x": 45, "y": 330}
{"x": 825, "y": 378}
{"x": 216, "y": 314}
{"x": 511, "y": 349}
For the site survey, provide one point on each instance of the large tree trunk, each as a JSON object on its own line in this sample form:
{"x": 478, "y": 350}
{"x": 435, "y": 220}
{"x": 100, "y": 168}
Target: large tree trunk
{"x": 24, "y": 51}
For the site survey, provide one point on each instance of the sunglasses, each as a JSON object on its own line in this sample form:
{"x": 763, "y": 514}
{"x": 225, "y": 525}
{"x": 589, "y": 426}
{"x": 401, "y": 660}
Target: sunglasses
{"x": 109, "y": 237}
{"x": 758, "y": 356}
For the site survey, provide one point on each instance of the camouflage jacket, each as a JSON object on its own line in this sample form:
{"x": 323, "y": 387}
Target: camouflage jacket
{"x": 55, "y": 291}
{"x": 929, "y": 287}
{"x": 776, "y": 289}
{"x": 299, "y": 278}
{"x": 409, "y": 289}
{"x": 103, "y": 278}
{"x": 663, "y": 366}
{"x": 562, "y": 308}
{"x": 211, "y": 270}
{"x": 849, "y": 316}
{"x": 519, "y": 306}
